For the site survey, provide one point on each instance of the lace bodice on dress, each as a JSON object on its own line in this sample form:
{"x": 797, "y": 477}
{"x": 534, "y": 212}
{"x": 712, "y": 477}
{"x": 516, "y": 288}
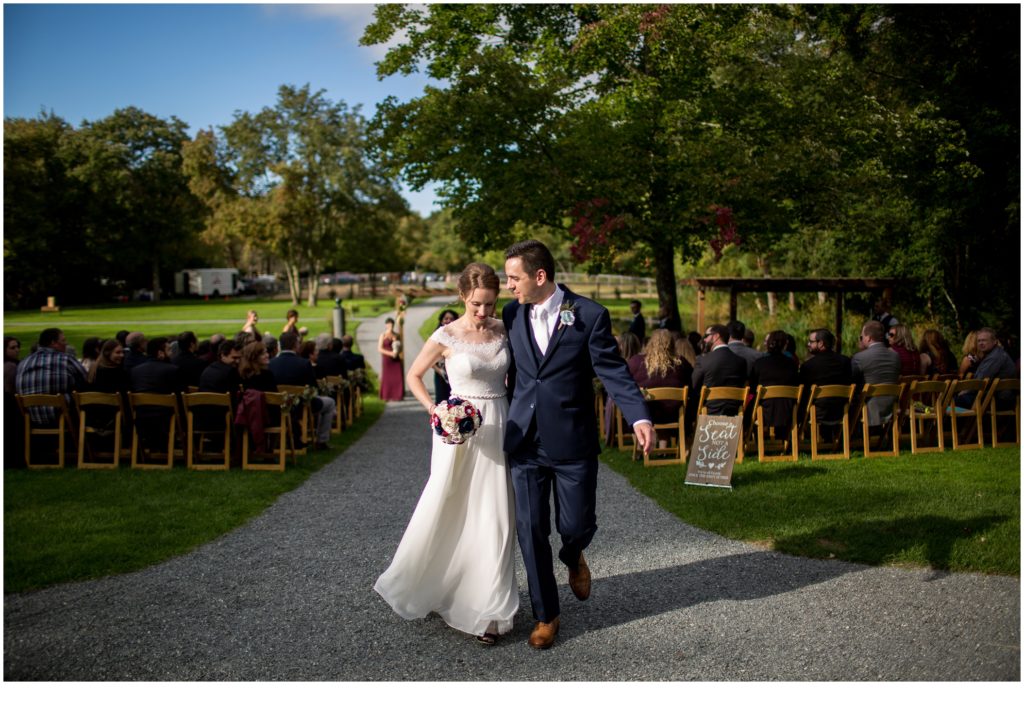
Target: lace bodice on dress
{"x": 475, "y": 370}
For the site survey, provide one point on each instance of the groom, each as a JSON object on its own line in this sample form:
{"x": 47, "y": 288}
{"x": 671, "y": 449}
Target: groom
{"x": 559, "y": 342}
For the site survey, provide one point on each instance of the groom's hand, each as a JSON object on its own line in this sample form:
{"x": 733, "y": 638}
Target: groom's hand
{"x": 644, "y": 432}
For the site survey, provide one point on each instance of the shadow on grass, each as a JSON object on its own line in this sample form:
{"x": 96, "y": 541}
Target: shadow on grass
{"x": 882, "y": 541}
{"x": 747, "y": 576}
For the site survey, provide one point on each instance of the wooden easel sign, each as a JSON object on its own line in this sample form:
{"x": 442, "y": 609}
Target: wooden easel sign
{"x": 714, "y": 450}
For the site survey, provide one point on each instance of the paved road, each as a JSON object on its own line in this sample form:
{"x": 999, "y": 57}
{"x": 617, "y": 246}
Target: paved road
{"x": 288, "y": 597}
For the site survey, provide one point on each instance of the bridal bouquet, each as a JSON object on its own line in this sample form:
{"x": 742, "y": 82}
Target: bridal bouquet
{"x": 455, "y": 420}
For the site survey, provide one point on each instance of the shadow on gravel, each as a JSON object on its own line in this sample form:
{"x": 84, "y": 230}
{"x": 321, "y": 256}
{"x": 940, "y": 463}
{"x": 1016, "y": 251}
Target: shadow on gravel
{"x": 629, "y": 597}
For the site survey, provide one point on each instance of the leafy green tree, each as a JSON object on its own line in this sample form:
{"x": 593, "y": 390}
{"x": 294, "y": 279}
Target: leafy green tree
{"x": 40, "y": 214}
{"x": 305, "y": 158}
{"x": 141, "y": 214}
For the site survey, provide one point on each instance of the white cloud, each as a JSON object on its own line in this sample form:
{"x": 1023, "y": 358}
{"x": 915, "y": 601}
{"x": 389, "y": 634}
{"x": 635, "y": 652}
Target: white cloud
{"x": 351, "y": 18}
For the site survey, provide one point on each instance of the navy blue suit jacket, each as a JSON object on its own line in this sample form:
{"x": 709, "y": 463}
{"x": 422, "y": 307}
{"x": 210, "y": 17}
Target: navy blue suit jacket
{"x": 288, "y": 368}
{"x": 557, "y": 388}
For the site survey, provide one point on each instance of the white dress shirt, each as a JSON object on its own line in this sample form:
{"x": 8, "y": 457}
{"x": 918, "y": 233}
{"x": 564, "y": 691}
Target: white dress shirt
{"x": 544, "y": 318}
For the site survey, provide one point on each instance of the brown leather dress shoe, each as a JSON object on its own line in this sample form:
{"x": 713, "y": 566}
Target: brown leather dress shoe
{"x": 579, "y": 580}
{"x": 543, "y": 635}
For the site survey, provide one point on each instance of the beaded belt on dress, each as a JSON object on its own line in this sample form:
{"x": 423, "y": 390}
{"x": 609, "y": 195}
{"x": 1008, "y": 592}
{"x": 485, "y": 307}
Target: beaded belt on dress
{"x": 480, "y": 396}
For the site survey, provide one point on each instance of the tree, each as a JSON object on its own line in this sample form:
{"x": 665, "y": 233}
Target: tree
{"x": 39, "y": 213}
{"x": 306, "y": 160}
{"x": 624, "y": 124}
{"x": 141, "y": 214}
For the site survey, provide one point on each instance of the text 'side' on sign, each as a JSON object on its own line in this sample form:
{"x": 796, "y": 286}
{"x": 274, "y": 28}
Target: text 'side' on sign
{"x": 714, "y": 450}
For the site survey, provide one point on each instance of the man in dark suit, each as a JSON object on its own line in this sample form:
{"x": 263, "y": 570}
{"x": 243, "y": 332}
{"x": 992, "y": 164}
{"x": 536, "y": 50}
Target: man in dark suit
{"x": 719, "y": 367}
{"x": 737, "y": 332}
{"x": 156, "y": 375}
{"x": 638, "y": 326}
{"x": 825, "y": 367}
{"x": 329, "y": 361}
{"x": 189, "y": 365}
{"x": 135, "y": 350}
{"x": 876, "y": 364}
{"x": 353, "y": 361}
{"x": 222, "y": 375}
{"x": 289, "y": 368}
{"x": 559, "y": 341}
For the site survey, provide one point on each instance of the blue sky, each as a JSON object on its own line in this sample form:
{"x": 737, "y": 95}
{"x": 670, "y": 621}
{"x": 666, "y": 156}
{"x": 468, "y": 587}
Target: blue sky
{"x": 198, "y": 62}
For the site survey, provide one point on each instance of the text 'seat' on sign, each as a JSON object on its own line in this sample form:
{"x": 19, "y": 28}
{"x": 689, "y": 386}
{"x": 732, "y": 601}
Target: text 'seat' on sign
{"x": 714, "y": 450}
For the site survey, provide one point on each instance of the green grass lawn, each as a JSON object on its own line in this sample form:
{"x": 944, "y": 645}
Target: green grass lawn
{"x": 952, "y": 511}
{"x": 70, "y": 525}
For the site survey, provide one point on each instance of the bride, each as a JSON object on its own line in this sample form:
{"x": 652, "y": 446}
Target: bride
{"x": 456, "y": 557}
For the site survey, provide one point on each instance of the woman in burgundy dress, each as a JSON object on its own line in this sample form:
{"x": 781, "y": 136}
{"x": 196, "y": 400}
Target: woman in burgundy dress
{"x": 392, "y": 388}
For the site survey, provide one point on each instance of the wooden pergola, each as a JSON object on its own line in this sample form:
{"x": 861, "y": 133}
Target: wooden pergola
{"x": 836, "y": 285}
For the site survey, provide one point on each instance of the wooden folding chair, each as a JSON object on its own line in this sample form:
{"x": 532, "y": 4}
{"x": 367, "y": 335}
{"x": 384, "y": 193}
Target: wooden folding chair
{"x": 599, "y": 410}
{"x": 282, "y": 431}
{"x": 339, "y": 402}
{"x": 927, "y": 403}
{"x": 980, "y": 388}
{"x": 138, "y": 400}
{"x": 196, "y": 436}
{"x": 58, "y": 402}
{"x": 623, "y": 439}
{"x": 306, "y": 426}
{"x": 83, "y": 402}
{"x": 891, "y": 427}
{"x": 676, "y": 450}
{"x": 711, "y": 394}
{"x": 990, "y": 408}
{"x": 844, "y": 392}
{"x": 791, "y": 444}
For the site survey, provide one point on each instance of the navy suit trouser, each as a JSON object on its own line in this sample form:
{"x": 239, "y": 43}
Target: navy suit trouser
{"x": 534, "y": 475}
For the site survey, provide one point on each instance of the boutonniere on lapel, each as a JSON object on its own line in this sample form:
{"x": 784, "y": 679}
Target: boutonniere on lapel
{"x": 566, "y": 315}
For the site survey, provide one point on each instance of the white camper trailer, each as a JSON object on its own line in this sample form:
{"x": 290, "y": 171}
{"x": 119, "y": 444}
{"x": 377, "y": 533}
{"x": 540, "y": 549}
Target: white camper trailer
{"x": 207, "y": 282}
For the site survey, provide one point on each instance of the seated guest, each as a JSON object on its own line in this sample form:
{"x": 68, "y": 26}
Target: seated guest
{"x": 109, "y": 376}
{"x": 329, "y": 360}
{"x": 158, "y": 376}
{"x": 877, "y": 365}
{"x": 737, "y": 332}
{"x": 107, "y": 373}
{"x": 824, "y": 366}
{"x": 308, "y": 351}
{"x": 684, "y": 349}
{"x": 254, "y": 368}
{"x": 49, "y": 370}
{"x": 971, "y": 356}
{"x": 936, "y": 356}
{"x": 291, "y": 369}
{"x": 659, "y": 366}
{"x": 222, "y": 375}
{"x": 122, "y": 337}
{"x": 90, "y": 352}
{"x": 212, "y": 354}
{"x": 353, "y": 361}
{"x": 719, "y": 367}
{"x": 994, "y": 362}
{"x": 271, "y": 343}
{"x": 902, "y": 342}
{"x": 189, "y": 365}
{"x": 12, "y": 353}
{"x": 775, "y": 369}
{"x": 135, "y": 353}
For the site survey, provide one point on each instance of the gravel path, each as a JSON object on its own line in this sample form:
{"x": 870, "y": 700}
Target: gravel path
{"x": 288, "y": 597}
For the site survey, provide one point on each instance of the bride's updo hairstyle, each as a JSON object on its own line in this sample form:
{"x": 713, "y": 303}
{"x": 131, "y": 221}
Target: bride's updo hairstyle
{"x": 477, "y": 276}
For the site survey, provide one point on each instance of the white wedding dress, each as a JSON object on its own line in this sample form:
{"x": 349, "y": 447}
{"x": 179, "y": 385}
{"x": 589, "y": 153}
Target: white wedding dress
{"x": 456, "y": 557}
